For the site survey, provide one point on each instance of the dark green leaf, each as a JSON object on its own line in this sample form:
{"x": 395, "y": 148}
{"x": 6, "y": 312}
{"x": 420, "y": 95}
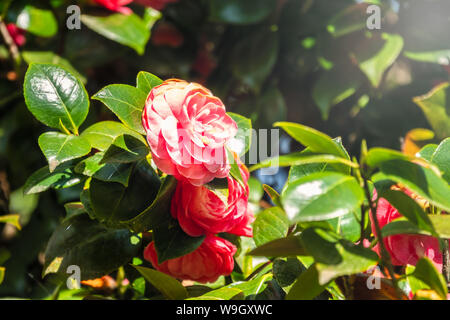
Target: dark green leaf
{"x": 240, "y": 12}
{"x": 55, "y": 96}
{"x": 43, "y": 179}
{"x": 124, "y": 149}
{"x": 285, "y": 247}
{"x": 287, "y": 271}
{"x": 307, "y": 286}
{"x": 441, "y": 226}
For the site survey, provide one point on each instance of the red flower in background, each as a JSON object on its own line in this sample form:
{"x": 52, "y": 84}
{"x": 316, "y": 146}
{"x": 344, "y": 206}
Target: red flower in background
{"x": 116, "y": 5}
{"x": 17, "y": 34}
{"x": 405, "y": 249}
{"x": 165, "y": 34}
{"x": 208, "y": 262}
{"x": 155, "y": 4}
{"x": 200, "y": 210}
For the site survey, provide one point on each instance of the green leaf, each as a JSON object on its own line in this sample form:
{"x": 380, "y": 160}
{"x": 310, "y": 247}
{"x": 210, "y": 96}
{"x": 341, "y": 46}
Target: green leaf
{"x": 256, "y": 191}
{"x": 73, "y": 208}
{"x": 269, "y": 225}
{"x": 128, "y": 30}
{"x": 172, "y": 242}
{"x": 422, "y": 181}
{"x": 59, "y": 148}
{"x": 124, "y": 149}
{"x": 307, "y": 286}
{"x": 146, "y": 81}
{"x": 316, "y": 141}
{"x": 252, "y": 287}
{"x": 439, "y": 56}
{"x": 380, "y": 56}
{"x": 96, "y": 249}
{"x": 376, "y": 156}
{"x": 436, "y": 109}
{"x": 240, "y": 144}
{"x": 335, "y": 257}
{"x": 273, "y": 194}
{"x": 168, "y": 286}
{"x": 112, "y": 172}
{"x": 427, "y": 152}
{"x": 409, "y": 208}
{"x": 126, "y": 102}
{"x": 219, "y": 294}
{"x": 157, "y": 213}
{"x": 287, "y": 271}
{"x": 441, "y": 157}
{"x": 333, "y": 87}
{"x": 2, "y": 274}
{"x": 55, "y": 96}
{"x": 43, "y": 179}
{"x": 219, "y": 186}
{"x": 38, "y": 21}
{"x": 11, "y": 219}
{"x": 285, "y": 247}
{"x": 300, "y": 158}
{"x": 102, "y": 134}
{"x": 352, "y": 18}
{"x": 240, "y": 12}
{"x": 426, "y": 272}
{"x": 235, "y": 172}
{"x": 49, "y": 57}
{"x": 321, "y": 196}
{"x": 115, "y": 205}
{"x": 254, "y": 57}
{"x": 441, "y": 226}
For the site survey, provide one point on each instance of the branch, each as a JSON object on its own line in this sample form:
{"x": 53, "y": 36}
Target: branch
{"x": 12, "y": 47}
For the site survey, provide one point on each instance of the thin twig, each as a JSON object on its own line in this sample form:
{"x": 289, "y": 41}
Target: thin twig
{"x": 12, "y": 47}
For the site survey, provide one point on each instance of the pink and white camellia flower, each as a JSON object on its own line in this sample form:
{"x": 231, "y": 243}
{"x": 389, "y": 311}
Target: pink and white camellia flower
{"x": 403, "y": 248}
{"x": 208, "y": 262}
{"x": 116, "y": 5}
{"x": 187, "y": 130}
{"x": 200, "y": 210}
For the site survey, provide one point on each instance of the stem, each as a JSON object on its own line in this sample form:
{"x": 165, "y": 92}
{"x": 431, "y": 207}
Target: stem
{"x": 258, "y": 270}
{"x": 385, "y": 256}
{"x": 12, "y": 48}
{"x": 446, "y": 262}
{"x": 362, "y": 225}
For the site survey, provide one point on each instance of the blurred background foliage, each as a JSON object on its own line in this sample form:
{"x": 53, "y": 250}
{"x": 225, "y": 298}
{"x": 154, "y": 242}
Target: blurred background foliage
{"x": 307, "y": 61}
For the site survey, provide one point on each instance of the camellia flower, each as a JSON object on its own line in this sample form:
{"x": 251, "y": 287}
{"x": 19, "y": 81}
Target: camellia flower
{"x": 116, "y": 5}
{"x": 155, "y": 4}
{"x": 208, "y": 262}
{"x": 187, "y": 129}
{"x": 405, "y": 249}
{"x": 200, "y": 210}
{"x": 17, "y": 34}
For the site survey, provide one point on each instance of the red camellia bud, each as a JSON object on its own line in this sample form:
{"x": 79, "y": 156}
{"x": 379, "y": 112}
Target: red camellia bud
{"x": 187, "y": 130}
{"x": 200, "y": 210}
{"x": 208, "y": 262}
{"x": 405, "y": 249}
{"x": 116, "y": 5}
{"x": 17, "y": 34}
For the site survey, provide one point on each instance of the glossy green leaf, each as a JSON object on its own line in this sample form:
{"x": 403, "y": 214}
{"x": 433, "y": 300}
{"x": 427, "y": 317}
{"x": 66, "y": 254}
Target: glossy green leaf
{"x": 426, "y": 272}
{"x": 219, "y": 294}
{"x": 126, "y": 102}
{"x": 43, "y": 179}
{"x": 441, "y": 226}
{"x": 285, "y": 247}
{"x": 287, "y": 271}
{"x": 112, "y": 172}
{"x": 49, "y": 57}
{"x": 125, "y": 149}
{"x": 307, "y": 286}
{"x": 441, "y": 157}
{"x": 379, "y": 56}
{"x": 172, "y": 242}
{"x": 168, "y": 286}
{"x": 315, "y": 140}
{"x": 253, "y": 287}
{"x": 77, "y": 241}
{"x": 59, "y": 148}
{"x": 102, "y": 134}
{"x": 321, "y": 196}
{"x": 256, "y": 191}
{"x": 55, "y": 96}
{"x": 241, "y": 143}
{"x": 427, "y": 152}
{"x": 128, "y": 30}
{"x": 300, "y": 158}
{"x": 422, "y": 181}
{"x": 376, "y": 156}
{"x": 336, "y": 257}
{"x": 439, "y": 56}
{"x": 240, "y": 12}
{"x": 436, "y": 109}
{"x": 269, "y": 225}
{"x": 146, "y": 81}
{"x": 40, "y": 22}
